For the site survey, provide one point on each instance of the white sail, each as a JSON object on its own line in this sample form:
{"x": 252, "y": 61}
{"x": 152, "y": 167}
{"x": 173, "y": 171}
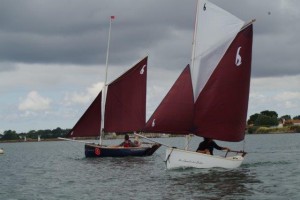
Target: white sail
{"x": 215, "y": 29}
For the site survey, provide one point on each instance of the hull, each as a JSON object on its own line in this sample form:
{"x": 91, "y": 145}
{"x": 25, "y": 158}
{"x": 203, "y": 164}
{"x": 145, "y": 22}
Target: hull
{"x": 94, "y": 150}
{"x": 178, "y": 158}
{"x": 1, "y": 151}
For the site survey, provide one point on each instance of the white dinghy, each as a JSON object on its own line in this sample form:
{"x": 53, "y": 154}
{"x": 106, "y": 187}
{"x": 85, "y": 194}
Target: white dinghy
{"x": 179, "y": 158}
{"x": 210, "y": 99}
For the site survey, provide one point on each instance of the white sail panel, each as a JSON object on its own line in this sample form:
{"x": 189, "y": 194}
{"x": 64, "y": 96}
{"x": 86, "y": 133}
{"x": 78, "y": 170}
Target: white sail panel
{"x": 215, "y": 29}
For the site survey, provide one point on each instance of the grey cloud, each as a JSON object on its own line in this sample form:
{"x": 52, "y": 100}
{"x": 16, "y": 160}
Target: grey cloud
{"x": 61, "y": 32}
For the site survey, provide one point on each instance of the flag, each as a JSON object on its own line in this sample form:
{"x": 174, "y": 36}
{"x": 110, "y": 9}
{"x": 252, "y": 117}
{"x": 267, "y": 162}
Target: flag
{"x": 112, "y": 17}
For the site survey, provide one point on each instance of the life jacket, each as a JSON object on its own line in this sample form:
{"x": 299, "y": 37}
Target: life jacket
{"x": 127, "y": 143}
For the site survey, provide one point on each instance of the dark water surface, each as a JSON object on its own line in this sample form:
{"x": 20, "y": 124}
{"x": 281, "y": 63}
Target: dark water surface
{"x": 59, "y": 170}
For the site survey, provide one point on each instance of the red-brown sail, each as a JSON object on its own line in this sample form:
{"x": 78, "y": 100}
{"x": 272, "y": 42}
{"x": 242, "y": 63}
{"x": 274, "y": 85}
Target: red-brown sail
{"x": 89, "y": 123}
{"x": 175, "y": 112}
{"x": 221, "y": 108}
{"x": 125, "y": 107}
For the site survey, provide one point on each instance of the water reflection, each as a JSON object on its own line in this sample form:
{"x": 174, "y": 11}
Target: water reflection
{"x": 213, "y": 184}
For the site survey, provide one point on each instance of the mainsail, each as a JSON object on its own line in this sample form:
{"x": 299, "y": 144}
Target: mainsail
{"x": 220, "y": 74}
{"x": 125, "y": 105}
{"x": 215, "y": 30}
{"x": 175, "y": 112}
{"x": 221, "y": 108}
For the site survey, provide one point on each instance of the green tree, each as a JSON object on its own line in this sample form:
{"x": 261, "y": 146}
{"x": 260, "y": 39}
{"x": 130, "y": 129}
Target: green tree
{"x": 269, "y": 113}
{"x": 10, "y": 135}
{"x": 252, "y": 118}
{"x": 32, "y": 134}
{"x": 264, "y": 120}
{"x": 286, "y": 117}
{"x": 297, "y": 117}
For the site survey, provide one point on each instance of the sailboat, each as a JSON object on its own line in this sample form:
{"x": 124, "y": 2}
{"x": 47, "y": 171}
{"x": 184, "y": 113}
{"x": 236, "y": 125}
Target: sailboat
{"x": 124, "y": 112}
{"x": 210, "y": 100}
{"x": 119, "y": 107}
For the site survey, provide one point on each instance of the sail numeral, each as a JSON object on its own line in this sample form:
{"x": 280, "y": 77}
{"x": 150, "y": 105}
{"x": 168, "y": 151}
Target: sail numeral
{"x": 238, "y": 58}
{"x": 153, "y": 123}
{"x": 142, "y": 70}
{"x": 204, "y": 7}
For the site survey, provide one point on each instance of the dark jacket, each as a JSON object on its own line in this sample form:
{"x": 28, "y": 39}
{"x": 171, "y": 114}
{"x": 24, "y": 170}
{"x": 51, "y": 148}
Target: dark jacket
{"x": 210, "y": 145}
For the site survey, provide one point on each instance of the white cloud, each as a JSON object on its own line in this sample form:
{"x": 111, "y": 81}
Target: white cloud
{"x": 34, "y": 102}
{"x": 280, "y": 94}
{"x": 83, "y": 97}
{"x": 285, "y": 96}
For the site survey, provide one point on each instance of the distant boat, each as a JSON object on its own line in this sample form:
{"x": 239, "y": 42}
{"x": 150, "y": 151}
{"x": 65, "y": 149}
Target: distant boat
{"x": 210, "y": 99}
{"x": 124, "y": 111}
{"x": 1, "y": 151}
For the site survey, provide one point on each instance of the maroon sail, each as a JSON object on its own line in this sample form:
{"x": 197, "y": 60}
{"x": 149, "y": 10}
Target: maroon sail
{"x": 89, "y": 124}
{"x": 125, "y": 107}
{"x": 175, "y": 112}
{"x": 221, "y": 107}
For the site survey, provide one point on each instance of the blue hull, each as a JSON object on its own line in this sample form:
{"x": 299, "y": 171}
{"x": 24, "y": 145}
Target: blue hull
{"x": 94, "y": 150}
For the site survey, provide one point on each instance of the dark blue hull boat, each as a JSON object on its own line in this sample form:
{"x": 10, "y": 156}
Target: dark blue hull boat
{"x": 95, "y": 150}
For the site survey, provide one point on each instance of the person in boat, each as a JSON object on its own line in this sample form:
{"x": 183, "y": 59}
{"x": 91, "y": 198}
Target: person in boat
{"x": 127, "y": 142}
{"x": 207, "y": 146}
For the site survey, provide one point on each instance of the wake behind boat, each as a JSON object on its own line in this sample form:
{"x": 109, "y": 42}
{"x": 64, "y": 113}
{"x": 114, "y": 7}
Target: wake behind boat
{"x": 210, "y": 99}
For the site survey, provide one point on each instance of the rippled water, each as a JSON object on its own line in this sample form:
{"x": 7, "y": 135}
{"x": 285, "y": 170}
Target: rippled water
{"x": 59, "y": 170}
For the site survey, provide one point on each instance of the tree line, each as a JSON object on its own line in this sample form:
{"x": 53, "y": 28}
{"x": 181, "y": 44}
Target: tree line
{"x": 263, "y": 119}
{"x": 267, "y": 121}
{"x": 33, "y": 134}
{"x": 268, "y": 118}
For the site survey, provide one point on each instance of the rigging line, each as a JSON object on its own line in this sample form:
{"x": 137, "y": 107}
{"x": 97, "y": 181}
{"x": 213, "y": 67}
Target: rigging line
{"x": 74, "y": 146}
{"x": 169, "y": 156}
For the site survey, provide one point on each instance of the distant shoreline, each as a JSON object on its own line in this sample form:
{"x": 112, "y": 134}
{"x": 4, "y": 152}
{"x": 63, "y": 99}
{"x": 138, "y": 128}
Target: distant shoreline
{"x": 120, "y": 137}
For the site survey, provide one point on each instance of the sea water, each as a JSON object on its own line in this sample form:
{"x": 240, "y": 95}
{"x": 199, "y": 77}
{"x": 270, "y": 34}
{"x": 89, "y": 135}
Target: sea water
{"x": 59, "y": 170}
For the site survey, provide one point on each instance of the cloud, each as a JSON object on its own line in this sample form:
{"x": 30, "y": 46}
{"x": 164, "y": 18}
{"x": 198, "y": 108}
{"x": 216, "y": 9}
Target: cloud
{"x": 78, "y": 34}
{"x": 34, "y": 102}
{"x": 286, "y": 96}
{"x": 289, "y": 100}
{"x": 280, "y": 94}
{"x": 83, "y": 97}
{"x": 60, "y": 49}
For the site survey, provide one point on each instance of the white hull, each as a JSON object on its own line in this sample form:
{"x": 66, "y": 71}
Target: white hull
{"x": 178, "y": 158}
{"x": 1, "y": 151}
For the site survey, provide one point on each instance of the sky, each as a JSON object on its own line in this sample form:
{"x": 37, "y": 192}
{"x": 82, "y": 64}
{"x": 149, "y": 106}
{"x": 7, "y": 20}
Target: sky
{"x": 53, "y": 54}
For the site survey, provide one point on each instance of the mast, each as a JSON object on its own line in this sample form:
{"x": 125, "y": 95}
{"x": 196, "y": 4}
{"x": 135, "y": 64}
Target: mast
{"x": 194, "y": 37}
{"x": 105, "y": 82}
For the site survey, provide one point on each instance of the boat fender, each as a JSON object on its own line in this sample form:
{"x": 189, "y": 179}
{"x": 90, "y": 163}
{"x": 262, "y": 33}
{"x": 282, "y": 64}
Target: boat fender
{"x": 97, "y": 151}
